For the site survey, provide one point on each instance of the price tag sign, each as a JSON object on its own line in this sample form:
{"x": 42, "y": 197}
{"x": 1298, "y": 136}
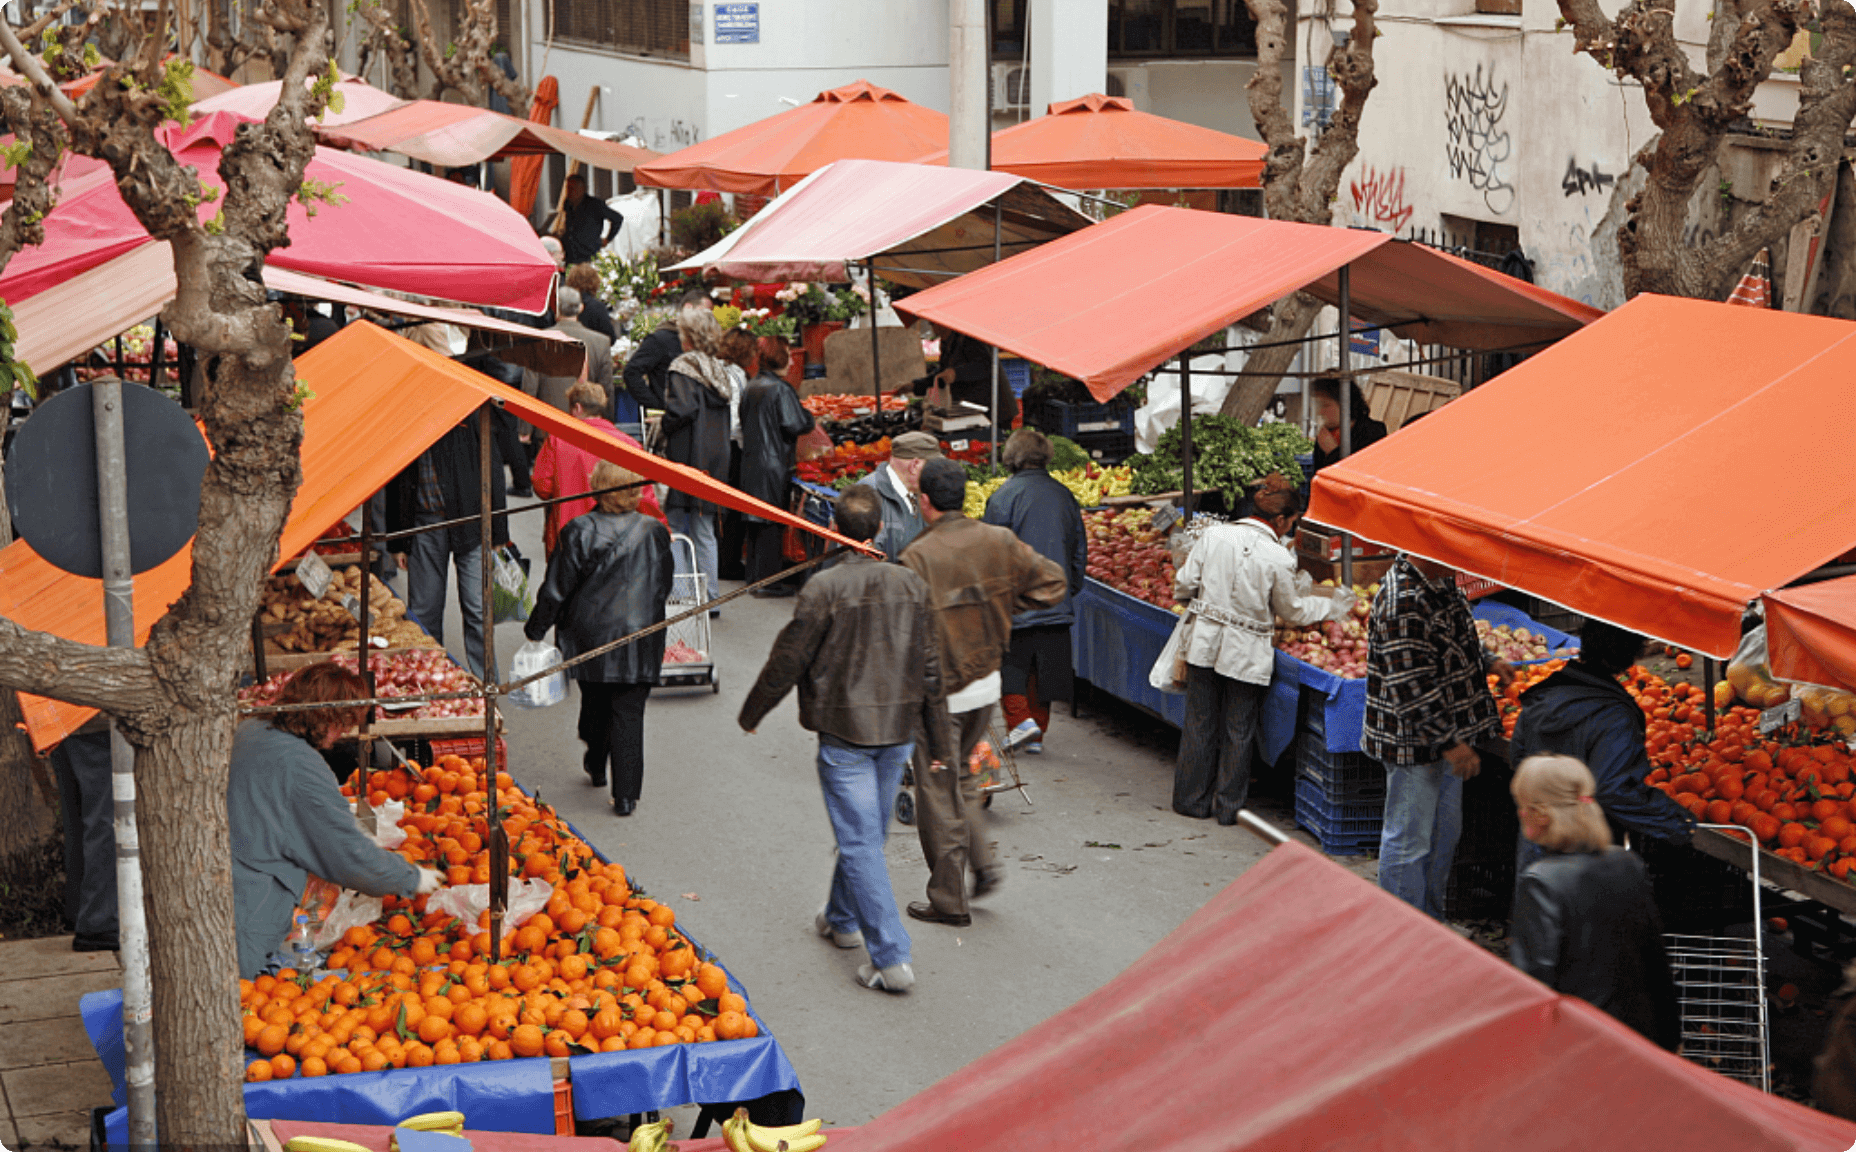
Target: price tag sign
{"x": 1164, "y": 517}
{"x": 353, "y": 604}
{"x": 1772, "y": 719}
{"x": 958, "y": 445}
{"x": 314, "y": 574}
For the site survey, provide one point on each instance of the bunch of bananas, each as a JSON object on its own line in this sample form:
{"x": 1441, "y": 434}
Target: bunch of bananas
{"x": 653, "y": 1137}
{"x": 449, "y": 1123}
{"x": 1092, "y": 484}
{"x": 321, "y": 1144}
{"x": 743, "y": 1135}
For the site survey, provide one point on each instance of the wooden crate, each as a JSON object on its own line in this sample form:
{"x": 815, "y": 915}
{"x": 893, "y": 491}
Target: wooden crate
{"x": 1396, "y": 396}
{"x": 1365, "y": 571}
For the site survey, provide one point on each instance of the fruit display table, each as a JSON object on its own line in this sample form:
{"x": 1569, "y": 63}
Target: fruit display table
{"x": 1114, "y": 644}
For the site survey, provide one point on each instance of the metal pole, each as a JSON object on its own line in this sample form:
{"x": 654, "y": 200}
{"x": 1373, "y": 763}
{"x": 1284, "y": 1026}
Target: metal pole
{"x": 499, "y": 874}
{"x": 997, "y": 224}
{"x": 1345, "y": 394}
{"x": 366, "y": 660}
{"x": 1185, "y": 432}
{"x": 119, "y": 622}
{"x": 876, "y": 367}
{"x": 1710, "y": 673}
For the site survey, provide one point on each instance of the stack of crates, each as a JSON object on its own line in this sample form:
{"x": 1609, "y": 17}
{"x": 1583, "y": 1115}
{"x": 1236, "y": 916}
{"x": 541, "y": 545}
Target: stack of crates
{"x": 1339, "y": 796}
{"x": 1105, "y": 431}
{"x": 1481, "y": 883}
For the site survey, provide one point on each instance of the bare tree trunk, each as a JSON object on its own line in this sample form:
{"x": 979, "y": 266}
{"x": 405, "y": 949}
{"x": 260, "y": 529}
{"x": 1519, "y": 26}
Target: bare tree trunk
{"x": 27, "y": 794}
{"x": 1299, "y": 184}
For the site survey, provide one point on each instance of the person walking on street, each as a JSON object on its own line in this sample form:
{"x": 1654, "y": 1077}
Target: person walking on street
{"x": 897, "y": 484}
{"x": 87, "y": 804}
{"x": 562, "y": 469}
{"x": 1238, "y": 579}
{"x": 979, "y": 576}
{"x": 772, "y": 421}
{"x": 609, "y": 576}
{"x": 1427, "y": 703}
{"x": 1585, "y": 919}
{"x": 647, "y": 372}
{"x": 695, "y": 428}
{"x": 588, "y": 223}
{"x": 1044, "y": 514}
{"x": 862, "y": 650}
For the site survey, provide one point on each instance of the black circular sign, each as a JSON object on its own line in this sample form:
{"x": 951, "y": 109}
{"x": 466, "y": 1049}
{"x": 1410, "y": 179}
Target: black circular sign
{"x": 51, "y": 479}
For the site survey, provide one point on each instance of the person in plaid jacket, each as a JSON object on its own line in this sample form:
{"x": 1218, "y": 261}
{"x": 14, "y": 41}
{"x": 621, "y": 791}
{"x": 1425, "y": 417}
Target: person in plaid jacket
{"x": 1427, "y": 703}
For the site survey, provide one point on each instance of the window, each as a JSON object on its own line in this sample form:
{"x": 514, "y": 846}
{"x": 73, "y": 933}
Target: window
{"x": 645, "y": 27}
{"x": 1008, "y": 28}
{"x": 1180, "y": 28}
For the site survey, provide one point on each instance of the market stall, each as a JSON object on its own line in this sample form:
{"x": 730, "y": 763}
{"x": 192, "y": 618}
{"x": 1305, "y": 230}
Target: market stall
{"x": 359, "y": 100}
{"x": 456, "y": 135}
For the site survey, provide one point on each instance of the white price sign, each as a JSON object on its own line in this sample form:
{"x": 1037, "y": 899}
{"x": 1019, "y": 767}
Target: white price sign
{"x": 1778, "y": 717}
{"x": 314, "y": 574}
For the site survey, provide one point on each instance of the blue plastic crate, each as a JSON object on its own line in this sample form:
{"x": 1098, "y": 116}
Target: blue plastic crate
{"x": 1344, "y": 777}
{"x": 1073, "y": 421}
{"x": 1341, "y": 829}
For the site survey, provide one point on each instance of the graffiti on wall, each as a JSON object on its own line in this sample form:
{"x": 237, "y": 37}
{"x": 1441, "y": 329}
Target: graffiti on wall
{"x": 1478, "y": 146}
{"x": 1379, "y": 197}
{"x": 1580, "y": 180}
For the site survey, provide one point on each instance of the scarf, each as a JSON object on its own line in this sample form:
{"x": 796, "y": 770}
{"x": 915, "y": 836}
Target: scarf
{"x": 706, "y": 368}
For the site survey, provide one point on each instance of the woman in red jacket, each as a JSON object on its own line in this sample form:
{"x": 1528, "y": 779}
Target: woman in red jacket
{"x": 562, "y": 468}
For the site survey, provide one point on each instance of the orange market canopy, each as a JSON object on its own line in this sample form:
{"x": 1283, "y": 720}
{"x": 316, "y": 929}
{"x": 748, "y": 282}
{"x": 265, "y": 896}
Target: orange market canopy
{"x": 1101, "y": 141}
{"x": 857, "y": 121}
{"x": 1811, "y": 632}
{"x": 1110, "y": 303}
{"x": 455, "y": 135}
{"x": 377, "y": 402}
{"x": 923, "y": 223}
{"x": 1627, "y": 472}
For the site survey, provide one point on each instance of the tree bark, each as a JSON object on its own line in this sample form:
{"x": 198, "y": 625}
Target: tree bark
{"x": 27, "y": 794}
{"x": 1299, "y": 184}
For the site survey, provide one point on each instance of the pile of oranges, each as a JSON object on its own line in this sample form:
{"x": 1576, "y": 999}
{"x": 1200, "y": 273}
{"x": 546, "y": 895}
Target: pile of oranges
{"x": 1793, "y": 789}
{"x": 601, "y": 968}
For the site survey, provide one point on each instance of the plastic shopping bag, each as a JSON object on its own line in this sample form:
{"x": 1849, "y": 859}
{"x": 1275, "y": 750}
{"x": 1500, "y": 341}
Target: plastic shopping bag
{"x": 538, "y": 656}
{"x": 469, "y": 901}
{"x": 512, "y": 600}
{"x": 1169, "y": 671}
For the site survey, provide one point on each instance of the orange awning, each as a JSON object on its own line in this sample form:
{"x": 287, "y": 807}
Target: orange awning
{"x": 1811, "y": 633}
{"x": 454, "y": 135}
{"x": 379, "y": 401}
{"x": 1099, "y": 141}
{"x": 1110, "y": 303}
{"x": 859, "y": 121}
{"x": 1661, "y": 469}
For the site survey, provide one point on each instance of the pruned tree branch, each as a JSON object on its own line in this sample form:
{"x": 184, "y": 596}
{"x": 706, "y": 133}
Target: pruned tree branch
{"x": 384, "y": 35}
{"x": 464, "y": 65}
{"x": 110, "y": 679}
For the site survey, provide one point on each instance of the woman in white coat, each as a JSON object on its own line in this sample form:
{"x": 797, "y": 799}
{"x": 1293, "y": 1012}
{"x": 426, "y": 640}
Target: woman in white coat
{"x": 1238, "y": 580}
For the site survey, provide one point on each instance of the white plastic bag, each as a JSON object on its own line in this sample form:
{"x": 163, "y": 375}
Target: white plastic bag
{"x": 351, "y": 911}
{"x": 469, "y": 901}
{"x": 1169, "y": 671}
{"x": 537, "y": 656}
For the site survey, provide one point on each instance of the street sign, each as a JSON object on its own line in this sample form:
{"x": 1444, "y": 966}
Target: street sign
{"x": 737, "y": 23}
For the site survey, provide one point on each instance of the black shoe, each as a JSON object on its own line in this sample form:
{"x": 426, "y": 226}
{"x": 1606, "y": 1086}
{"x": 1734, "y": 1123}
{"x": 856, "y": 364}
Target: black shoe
{"x": 595, "y": 769}
{"x": 774, "y": 592}
{"x": 624, "y": 807}
{"x": 1227, "y": 818}
{"x": 94, "y": 942}
{"x": 522, "y": 491}
{"x": 987, "y": 881}
{"x": 924, "y": 911}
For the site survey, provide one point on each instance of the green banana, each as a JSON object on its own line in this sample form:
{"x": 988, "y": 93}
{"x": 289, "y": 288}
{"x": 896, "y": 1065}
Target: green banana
{"x": 320, "y": 1144}
{"x": 654, "y": 1137}
{"x": 792, "y": 1138}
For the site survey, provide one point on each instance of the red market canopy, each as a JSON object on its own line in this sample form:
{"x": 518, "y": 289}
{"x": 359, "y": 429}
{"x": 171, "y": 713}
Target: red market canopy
{"x": 455, "y": 135}
{"x": 1101, "y": 141}
{"x": 377, "y": 401}
{"x": 1108, "y": 304}
{"x": 1305, "y": 1008}
{"x": 858, "y": 121}
{"x": 926, "y": 223}
{"x": 396, "y": 229}
{"x": 255, "y": 101}
{"x": 1613, "y": 473}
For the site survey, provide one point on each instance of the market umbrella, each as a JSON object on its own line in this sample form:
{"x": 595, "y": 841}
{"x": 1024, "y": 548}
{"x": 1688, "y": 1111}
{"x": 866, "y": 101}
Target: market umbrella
{"x": 858, "y": 121}
{"x": 393, "y": 229}
{"x": 525, "y": 171}
{"x": 454, "y": 135}
{"x": 1099, "y": 141}
{"x": 255, "y": 101}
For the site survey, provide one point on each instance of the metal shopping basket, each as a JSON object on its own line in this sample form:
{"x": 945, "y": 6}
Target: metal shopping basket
{"x": 998, "y": 773}
{"x": 688, "y": 660}
{"x": 1721, "y": 990}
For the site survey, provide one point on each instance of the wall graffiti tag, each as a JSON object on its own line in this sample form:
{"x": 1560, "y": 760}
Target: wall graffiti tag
{"x": 1478, "y": 145}
{"x": 1579, "y": 181}
{"x": 1379, "y": 197}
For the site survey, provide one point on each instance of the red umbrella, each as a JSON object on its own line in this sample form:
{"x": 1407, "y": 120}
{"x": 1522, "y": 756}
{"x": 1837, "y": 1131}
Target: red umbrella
{"x": 255, "y": 101}
{"x": 394, "y": 229}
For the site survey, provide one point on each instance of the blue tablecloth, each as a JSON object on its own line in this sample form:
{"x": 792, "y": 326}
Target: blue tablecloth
{"x": 1116, "y": 640}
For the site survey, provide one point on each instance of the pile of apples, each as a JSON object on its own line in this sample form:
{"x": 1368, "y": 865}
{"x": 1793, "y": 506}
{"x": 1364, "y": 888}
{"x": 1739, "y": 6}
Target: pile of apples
{"x": 1336, "y": 646}
{"x": 1512, "y": 644}
{"x": 1129, "y": 556}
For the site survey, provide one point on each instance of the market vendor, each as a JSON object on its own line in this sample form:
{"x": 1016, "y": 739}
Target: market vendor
{"x": 1583, "y": 712}
{"x": 1237, "y": 582}
{"x": 966, "y": 373}
{"x": 898, "y": 485}
{"x": 289, "y": 820}
{"x": 1362, "y": 429}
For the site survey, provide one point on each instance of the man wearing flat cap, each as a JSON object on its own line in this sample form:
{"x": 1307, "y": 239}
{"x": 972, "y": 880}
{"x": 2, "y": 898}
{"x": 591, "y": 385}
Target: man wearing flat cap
{"x": 897, "y": 484}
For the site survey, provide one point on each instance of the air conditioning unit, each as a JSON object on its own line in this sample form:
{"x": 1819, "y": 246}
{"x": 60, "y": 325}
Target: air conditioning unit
{"x": 1011, "y": 87}
{"x": 1130, "y": 83}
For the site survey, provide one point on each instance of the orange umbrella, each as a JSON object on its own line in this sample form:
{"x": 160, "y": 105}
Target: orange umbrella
{"x": 525, "y": 171}
{"x": 1101, "y": 141}
{"x": 859, "y": 121}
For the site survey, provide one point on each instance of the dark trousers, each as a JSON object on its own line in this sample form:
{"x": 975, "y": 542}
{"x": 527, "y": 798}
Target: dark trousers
{"x": 612, "y": 725}
{"x": 1217, "y": 745}
{"x": 947, "y": 817}
{"x": 766, "y": 550}
{"x": 734, "y": 528}
{"x": 507, "y": 430}
{"x": 82, "y": 763}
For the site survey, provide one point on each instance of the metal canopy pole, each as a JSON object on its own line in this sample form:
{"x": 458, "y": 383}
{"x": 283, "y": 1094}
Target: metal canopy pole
{"x": 876, "y": 368}
{"x": 498, "y": 838}
{"x": 119, "y": 622}
{"x": 1344, "y": 397}
{"x": 366, "y": 662}
{"x": 1185, "y": 431}
{"x": 997, "y": 225}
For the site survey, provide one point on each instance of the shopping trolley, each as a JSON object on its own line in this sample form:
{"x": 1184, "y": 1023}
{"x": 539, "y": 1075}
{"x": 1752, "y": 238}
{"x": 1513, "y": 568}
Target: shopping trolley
{"x": 1721, "y": 991}
{"x": 688, "y": 659}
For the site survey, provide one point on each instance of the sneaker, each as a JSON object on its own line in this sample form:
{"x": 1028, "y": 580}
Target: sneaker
{"x": 841, "y": 939}
{"x": 1035, "y": 748}
{"x": 895, "y": 978}
{"x": 1026, "y": 732}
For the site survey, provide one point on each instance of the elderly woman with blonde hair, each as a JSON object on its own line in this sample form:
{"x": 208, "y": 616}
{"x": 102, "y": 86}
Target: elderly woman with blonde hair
{"x": 1585, "y": 920}
{"x": 609, "y": 577}
{"x": 698, "y": 395}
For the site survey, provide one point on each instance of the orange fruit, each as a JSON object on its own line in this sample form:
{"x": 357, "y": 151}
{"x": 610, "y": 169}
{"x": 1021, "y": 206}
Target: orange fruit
{"x": 418, "y": 1056}
{"x": 258, "y": 1071}
{"x": 711, "y": 981}
{"x": 271, "y": 1041}
{"x": 283, "y": 1067}
{"x": 730, "y": 1026}
{"x": 526, "y": 1040}
{"x": 731, "y": 1002}
{"x": 348, "y": 1063}
{"x": 314, "y": 1066}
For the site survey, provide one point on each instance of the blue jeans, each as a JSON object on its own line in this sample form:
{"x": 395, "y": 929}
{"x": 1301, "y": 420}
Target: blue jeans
{"x": 427, "y": 572}
{"x": 700, "y": 528}
{"x": 860, "y": 786}
{"x": 1424, "y": 820}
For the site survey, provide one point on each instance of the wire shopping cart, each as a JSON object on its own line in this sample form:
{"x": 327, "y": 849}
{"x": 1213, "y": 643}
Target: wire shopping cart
{"x": 688, "y": 659}
{"x": 1721, "y": 992}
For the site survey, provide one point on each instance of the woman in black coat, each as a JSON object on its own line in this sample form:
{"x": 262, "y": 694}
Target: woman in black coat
{"x": 1362, "y": 430}
{"x": 609, "y": 576}
{"x": 695, "y": 428}
{"x": 772, "y": 421}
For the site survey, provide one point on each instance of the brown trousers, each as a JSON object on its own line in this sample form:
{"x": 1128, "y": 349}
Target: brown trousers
{"x": 947, "y": 808}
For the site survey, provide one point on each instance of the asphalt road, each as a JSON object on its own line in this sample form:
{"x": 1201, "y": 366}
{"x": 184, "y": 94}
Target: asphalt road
{"x": 732, "y": 833}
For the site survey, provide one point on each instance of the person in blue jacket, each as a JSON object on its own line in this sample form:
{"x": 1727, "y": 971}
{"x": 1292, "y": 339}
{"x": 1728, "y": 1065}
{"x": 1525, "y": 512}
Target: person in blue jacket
{"x": 1583, "y": 711}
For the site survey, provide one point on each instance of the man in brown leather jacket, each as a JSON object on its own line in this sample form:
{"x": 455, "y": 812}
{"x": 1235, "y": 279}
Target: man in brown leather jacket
{"x": 861, "y": 648}
{"x": 978, "y": 576}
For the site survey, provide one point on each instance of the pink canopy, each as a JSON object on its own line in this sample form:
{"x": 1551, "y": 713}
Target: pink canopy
{"x": 394, "y": 229}
{"x": 255, "y": 101}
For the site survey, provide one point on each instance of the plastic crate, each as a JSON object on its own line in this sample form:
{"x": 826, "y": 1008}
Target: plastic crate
{"x": 1342, "y": 829}
{"x": 563, "y": 1108}
{"x": 1479, "y": 890}
{"x": 1106, "y": 447}
{"x": 1074, "y": 421}
{"x": 469, "y": 747}
{"x": 1344, "y": 777}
